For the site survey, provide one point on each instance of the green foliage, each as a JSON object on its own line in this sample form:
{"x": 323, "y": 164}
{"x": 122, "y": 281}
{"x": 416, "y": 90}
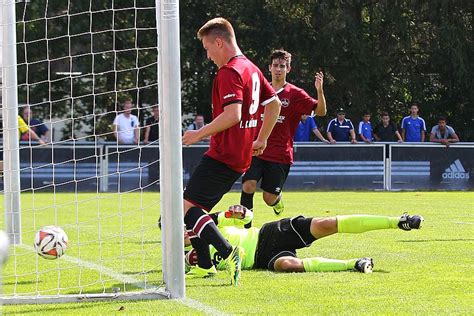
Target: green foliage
{"x": 376, "y": 55}
{"x": 113, "y": 58}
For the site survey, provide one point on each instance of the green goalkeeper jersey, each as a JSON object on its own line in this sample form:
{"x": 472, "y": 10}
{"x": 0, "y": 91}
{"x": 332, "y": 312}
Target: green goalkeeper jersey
{"x": 245, "y": 238}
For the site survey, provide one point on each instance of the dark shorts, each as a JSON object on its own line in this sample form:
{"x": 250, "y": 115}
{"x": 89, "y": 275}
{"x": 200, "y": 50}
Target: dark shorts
{"x": 273, "y": 174}
{"x": 209, "y": 182}
{"x": 282, "y": 238}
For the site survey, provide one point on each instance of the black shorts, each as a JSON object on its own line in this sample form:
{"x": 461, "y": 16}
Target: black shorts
{"x": 209, "y": 182}
{"x": 282, "y": 238}
{"x": 273, "y": 174}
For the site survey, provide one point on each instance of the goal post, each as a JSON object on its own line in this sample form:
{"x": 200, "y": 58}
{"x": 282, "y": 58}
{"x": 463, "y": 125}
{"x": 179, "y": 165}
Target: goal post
{"x": 12, "y": 204}
{"x": 171, "y": 147}
{"x": 77, "y": 62}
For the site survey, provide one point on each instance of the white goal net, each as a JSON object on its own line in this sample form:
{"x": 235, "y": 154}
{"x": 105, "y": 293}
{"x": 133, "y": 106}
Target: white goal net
{"x": 73, "y": 73}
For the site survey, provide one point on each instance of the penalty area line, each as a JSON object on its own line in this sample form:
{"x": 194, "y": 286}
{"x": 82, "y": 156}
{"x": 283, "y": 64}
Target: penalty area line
{"x": 188, "y": 302}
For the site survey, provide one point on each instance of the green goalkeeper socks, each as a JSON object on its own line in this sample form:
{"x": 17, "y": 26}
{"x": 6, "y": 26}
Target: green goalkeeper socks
{"x": 362, "y": 223}
{"x": 319, "y": 264}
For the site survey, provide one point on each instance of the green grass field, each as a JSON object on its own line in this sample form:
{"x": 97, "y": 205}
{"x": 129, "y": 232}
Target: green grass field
{"x": 424, "y": 272}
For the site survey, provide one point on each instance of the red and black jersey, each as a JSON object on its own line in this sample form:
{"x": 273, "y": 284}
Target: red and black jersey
{"x": 238, "y": 81}
{"x": 295, "y": 102}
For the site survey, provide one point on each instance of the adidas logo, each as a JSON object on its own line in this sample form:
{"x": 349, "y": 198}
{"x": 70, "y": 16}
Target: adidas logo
{"x": 455, "y": 171}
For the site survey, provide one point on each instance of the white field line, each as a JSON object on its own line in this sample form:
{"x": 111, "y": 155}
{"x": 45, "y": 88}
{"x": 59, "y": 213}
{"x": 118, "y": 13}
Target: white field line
{"x": 189, "y": 302}
{"x": 468, "y": 223}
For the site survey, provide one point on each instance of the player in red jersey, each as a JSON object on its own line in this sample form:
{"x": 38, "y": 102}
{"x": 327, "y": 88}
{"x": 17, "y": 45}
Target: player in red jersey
{"x": 273, "y": 166}
{"x": 240, "y": 92}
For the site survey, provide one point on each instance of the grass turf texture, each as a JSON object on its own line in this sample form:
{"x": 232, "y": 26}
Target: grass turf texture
{"x": 427, "y": 271}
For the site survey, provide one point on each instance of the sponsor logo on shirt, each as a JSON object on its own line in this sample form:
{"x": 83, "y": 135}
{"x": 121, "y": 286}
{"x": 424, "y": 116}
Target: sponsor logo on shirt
{"x": 230, "y": 95}
{"x": 249, "y": 123}
{"x": 280, "y": 118}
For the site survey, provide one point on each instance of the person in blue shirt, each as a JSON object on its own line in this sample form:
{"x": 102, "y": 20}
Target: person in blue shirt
{"x": 341, "y": 129}
{"x": 413, "y": 126}
{"x": 365, "y": 128}
{"x": 305, "y": 127}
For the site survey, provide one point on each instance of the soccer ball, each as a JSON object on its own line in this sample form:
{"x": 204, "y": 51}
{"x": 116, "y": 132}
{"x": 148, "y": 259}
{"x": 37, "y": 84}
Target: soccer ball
{"x": 51, "y": 242}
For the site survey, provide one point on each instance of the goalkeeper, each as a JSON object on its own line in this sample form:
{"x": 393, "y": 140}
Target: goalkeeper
{"x": 273, "y": 247}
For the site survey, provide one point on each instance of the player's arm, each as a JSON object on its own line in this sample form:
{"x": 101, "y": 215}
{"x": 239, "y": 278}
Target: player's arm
{"x": 116, "y": 130}
{"x": 320, "y": 136}
{"x": 377, "y": 138}
{"x": 270, "y": 116}
{"x": 353, "y": 137}
{"x": 361, "y": 134}
{"x": 320, "y": 109}
{"x": 433, "y": 138}
{"x": 403, "y": 130}
{"x": 454, "y": 139}
{"x": 423, "y": 130}
{"x": 232, "y": 115}
{"x": 352, "y": 133}
{"x": 329, "y": 133}
{"x": 397, "y": 133}
{"x": 236, "y": 215}
{"x": 136, "y": 132}
{"x": 23, "y": 127}
{"x": 35, "y": 136}
{"x": 147, "y": 134}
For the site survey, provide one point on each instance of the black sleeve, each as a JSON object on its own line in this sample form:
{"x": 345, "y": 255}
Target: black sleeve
{"x": 394, "y": 127}
{"x": 376, "y": 129}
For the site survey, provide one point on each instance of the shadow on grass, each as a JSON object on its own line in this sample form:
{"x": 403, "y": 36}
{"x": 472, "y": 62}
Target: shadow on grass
{"x": 22, "y": 282}
{"x": 430, "y": 240}
{"x": 138, "y": 273}
{"x": 223, "y": 284}
{"x": 147, "y": 242}
{"x": 67, "y": 308}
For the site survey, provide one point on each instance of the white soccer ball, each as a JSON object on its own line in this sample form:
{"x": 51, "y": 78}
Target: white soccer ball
{"x": 51, "y": 242}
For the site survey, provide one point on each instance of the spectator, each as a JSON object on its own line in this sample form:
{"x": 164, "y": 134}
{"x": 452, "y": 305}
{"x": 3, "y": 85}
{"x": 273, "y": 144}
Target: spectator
{"x": 152, "y": 130}
{"x": 35, "y": 125}
{"x": 305, "y": 126}
{"x": 365, "y": 128}
{"x": 198, "y": 124}
{"x": 341, "y": 129}
{"x": 24, "y": 129}
{"x": 443, "y": 133}
{"x": 126, "y": 125}
{"x": 413, "y": 126}
{"x": 386, "y": 130}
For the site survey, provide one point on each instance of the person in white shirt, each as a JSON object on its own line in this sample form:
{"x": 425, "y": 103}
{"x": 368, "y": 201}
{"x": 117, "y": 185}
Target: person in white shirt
{"x": 126, "y": 125}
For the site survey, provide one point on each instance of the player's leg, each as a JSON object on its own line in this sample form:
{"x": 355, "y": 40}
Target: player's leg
{"x": 325, "y": 226}
{"x": 273, "y": 179}
{"x": 248, "y": 190}
{"x": 249, "y": 184}
{"x": 319, "y": 264}
{"x": 209, "y": 182}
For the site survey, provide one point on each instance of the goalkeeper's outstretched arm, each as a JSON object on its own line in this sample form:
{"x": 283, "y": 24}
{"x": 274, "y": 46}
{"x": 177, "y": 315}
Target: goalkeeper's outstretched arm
{"x": 236, "y": 215}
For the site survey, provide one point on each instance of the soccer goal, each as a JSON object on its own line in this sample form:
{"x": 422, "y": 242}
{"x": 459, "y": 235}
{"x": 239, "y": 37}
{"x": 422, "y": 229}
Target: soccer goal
{"x": 72, "y": 65}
